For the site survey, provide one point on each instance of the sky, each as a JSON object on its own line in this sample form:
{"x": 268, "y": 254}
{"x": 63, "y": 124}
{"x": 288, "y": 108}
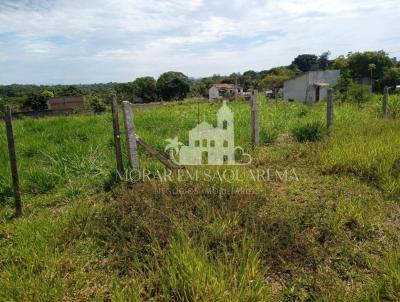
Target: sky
{"x": 93, "y": 41}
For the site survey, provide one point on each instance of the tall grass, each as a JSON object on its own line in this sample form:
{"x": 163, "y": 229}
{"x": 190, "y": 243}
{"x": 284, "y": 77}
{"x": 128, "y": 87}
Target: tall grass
{"x": 332, "y": 236}
{"x": 371, "y": 152}
{"x": 78, "y": 150}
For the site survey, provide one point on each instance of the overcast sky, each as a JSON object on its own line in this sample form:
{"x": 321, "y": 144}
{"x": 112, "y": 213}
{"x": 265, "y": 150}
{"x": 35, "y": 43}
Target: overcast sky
{"x": 88, "y": 41}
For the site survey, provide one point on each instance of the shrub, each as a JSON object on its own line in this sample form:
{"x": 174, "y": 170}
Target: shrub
{"x": 358, "y": 93}
{"x": 97, "y": 105}
{"x": 38, "y": 100}
{"x": 312, "y": 131}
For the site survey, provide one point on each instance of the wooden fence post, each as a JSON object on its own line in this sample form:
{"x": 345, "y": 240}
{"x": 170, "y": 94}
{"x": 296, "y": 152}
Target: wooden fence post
{"x": 255, "y": 127}
{"x": 130, "y": 134}
{"x": 329, "y": 109}
{"x": 385, "y": 101}
{"x": 117, "y": 137}
{"x": 13, "y": 160}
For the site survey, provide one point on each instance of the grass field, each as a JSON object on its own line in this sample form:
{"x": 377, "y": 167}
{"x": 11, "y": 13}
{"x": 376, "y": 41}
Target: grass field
{"x": 331, "y": 236}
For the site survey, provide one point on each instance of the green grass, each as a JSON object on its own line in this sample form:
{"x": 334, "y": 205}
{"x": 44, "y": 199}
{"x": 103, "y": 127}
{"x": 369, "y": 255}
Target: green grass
{"x": 372, "y": 153}
{"x": 331, "y": 236}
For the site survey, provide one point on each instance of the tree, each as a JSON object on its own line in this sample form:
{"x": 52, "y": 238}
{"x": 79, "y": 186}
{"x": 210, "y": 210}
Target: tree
{"x": 198, "y": 88}
{"x": 173, "y": 85}
{"x": 323, "y": 60}
{"x": 38, "y": 100}
{"x": 273, "y": 82}
{"x": 281, "y": 70}
{"x": 391, "y": 77}
{"x": 305, "y": 62}
{"x": 125, "y": 91}
{"x": 343, "y": 82}
{"x": 71, "y": 90}
{"x": 340, "y": 63}
{"x": 361, "y": 64}
{"x": 146, "y": 89}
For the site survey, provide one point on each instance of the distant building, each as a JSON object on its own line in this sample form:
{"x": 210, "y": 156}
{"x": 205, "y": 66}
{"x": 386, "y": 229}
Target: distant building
{"x": 66, "y": 103}
{"x": 219, "y": 90}
{"x": 310, "y": 87}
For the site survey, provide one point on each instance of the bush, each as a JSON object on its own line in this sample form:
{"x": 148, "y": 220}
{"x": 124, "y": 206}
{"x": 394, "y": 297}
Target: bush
{"x": 37, "y": 101}
{"x": 97, "y": 105}
{"x": 358, "y": 93}
{"x": 312, "y": 131}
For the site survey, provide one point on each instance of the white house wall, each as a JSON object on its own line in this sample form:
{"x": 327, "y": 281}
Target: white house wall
{"x": 296, "y": 88}
{"x": 302, "y": 88}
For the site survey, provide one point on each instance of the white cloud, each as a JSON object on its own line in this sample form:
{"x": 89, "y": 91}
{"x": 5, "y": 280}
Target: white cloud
{"x": 74, "y": 41}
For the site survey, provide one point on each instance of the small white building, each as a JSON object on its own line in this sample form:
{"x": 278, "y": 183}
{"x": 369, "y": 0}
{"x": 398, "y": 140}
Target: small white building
{"x": 220, "y": 90}
{"x": 310, "y": 87}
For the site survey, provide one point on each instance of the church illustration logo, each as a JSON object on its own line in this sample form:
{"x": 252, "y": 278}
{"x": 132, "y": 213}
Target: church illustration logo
{"x": 210, "y": 145}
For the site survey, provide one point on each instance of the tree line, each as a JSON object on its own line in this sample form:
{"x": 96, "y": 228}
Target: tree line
{"x": 375, "y": 66}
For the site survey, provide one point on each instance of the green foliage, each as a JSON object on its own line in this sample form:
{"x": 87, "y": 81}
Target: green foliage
{"x": 126, "y": 92}
{"x": 145, "y": 89}
{"x": 343, "y": 82}
{"x": 173, "y": 85}
{"x": 393, "y": 106}
{"x": 40, "y": 182}
{"x": 38, "y": 100}
{"x": 18, "y": 91}
{"x": 341, "y": 63}
{"x": 391, "y": 77}
{"x": 47, "y": 94}
{"x": 331, "y": 236}
{"x": 273, "y": 81}
{"x": 323, "y": 60}
{"x": 358, "y": 93}
{"x": 369, "y": 151}
{"x": 281, "y": 70}
{"x": 309, "y": 132}
{"x": 305, "y": 62}
{"x": 71, "y": 90}
{"x": 360, "y": 64}
{"x": 198, "y": 88}
{"x": 97, "y": 104}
